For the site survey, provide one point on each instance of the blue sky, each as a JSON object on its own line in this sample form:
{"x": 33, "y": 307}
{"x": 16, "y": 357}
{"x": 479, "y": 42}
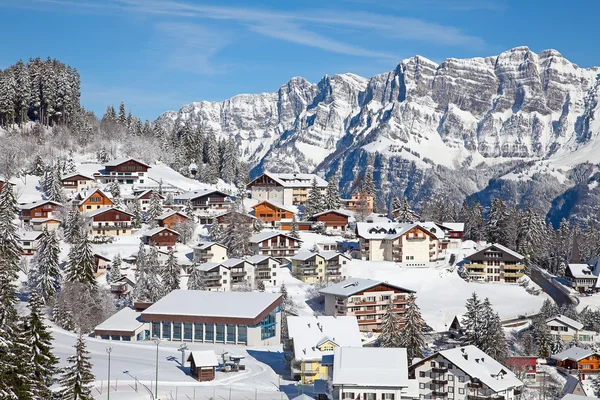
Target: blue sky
{"x": 157, "y": 55}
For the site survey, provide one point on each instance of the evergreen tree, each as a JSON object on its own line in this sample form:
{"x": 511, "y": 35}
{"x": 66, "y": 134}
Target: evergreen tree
{"x": 478, "y": 223}
{"x": 390, "y": 329}
{"x": 532, "y": 236}
{"x": 396, "y": 204}
{"x": 288, "y": 307}
{"x": 155, "y": 290}
{"x": 332, "y": 195}
{"x": 122, "y": 117}
{"x": 196, "y": 280}
{"x": 82, "y": 264}
{"x": 110, "y": 115}
{"x": 38, "y": 340}
{"x": 38, "y": 166}
{"x": 314, "y": 203}
{"x": 155, "y": 209}
{"x": 260, "y": 285}
{"x": 115, "y": 189}
{"x": 557, "y": 345}
{"x": 294, "y": 228}
{"x": 170, "y": 273}
{"x": 543, "y": 338}
{"x": 55, "y": 191}
{"x": 77, "y": 379}
{"x": 493, "y": 341}
{"x": 136, "y": 219}
{"x": 548, "y": 309}
{"x": 472, "y": 321}
{"x": 411, "y": 336}
{"x": 229, "y": 161}
{"x": 70, "y": 167}
{"x": 74, "y": 226}
{"x": 169, "y": 200}
{"x": 215, "y": 231}
{"x": 44, "y": 275}
{"x": 115, "y": 269}
{"x": 405, "y": 213}
{"x": 242, "y": 174}
{"x": 497, "y": 215}
{"x": 368, "y": 187}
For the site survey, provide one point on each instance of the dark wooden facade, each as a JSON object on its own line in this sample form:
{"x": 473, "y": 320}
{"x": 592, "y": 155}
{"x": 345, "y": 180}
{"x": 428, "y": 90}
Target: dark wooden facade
{"x": 127, "y": 167}
{"x": 271, "y": 213}
{"x": 264, "y": 181}
{"x": 222, "y": 219}
{"x": 43, "y": 210}
{"x": 112, "y": 215}
{"x": 498, "y": 255}
{"x": 164, "y": 238}
{"x": 73, "y": 181}
{"x": 333, "y": 219}
{"x": 172, "y": 220}
{"x": 201, "y": 373}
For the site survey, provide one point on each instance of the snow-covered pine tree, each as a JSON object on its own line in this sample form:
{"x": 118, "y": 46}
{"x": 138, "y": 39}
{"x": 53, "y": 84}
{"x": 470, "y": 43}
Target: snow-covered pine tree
{"x": 294, "y": 228}
{"x": 82, "y": 264}
{"x": 114, "y": 189}
{"x": 557, "y": 345}
{"x": 141, "y": 275}
{"x": 211, "y": 150}
{"x": 493, "y": 340}
{"x": 122, "y": 117}
{"x": 76, "y": 381}
{"x": 496, "y": 220}
{"x": 237, "y": 233}
{"x": 288, "y": 307}
{"x": 548, "y": 309}
{"x": 155, "y": 289}
{"x": 229, "y": 160}
{"x": 196, "y": 280}
{"x": 314, "y": 203}
{"x": 155, "y": 208}
{"x": 39, "y": 343}
{"x": 396, "y": 204}
{"x": 188, "y": 209}
{"x": 332, "y": 194}
{"x": 115, "y": 269}
{"x": 169, "y": 200}
{"x": 55, "y": 191}
{"x": 136, "y": 219}
{"x": 543, "y": 338}
{"x": 532, "y": 240}
{"x": 44, "y": 275}
{"x": 215, "y": 231}
{"x": 390, "y": 329}
{"x": 472, "y": 322}
{"x": 405, "y": 212}
{"x": 38, "y": 167}
{"x": 74, "y": 225}
{"x": 170, "y": 273}
{"x": 260, "y": 285}
{"x": 242, "y": 174}
{"x": 70, "y": 167}
{"x": 368, "y": 187}
{"x": 478, "y": 223}
{"x": 411, "y": 336}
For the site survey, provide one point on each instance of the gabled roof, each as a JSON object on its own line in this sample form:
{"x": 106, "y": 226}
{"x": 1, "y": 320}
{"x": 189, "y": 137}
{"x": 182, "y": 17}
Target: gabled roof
{"x": 260, "y": 258}
{"x": 386, "y": 230}
{"x": 34, "y": 204}
{"x": 119, "y": 161}
{"x": 208, "y": 266}
{"x": 259, "y": 237}
{"x": 581, "y": 271}
{"x": 277, "y": 205}
{"x": 237, "y": 212}
{"x": 145, "y": 192}
{"x": 170, "y": 213}
{"x": 232, "y": 262}
{"x": 207, "y": 245}
{"x": 154, "y": 231}
{"x": 42, "y": 220}
{"x": 453, "y": 226}
{"x": 29, "y": 235}
{"x": 573, "y": 353}
{"x": 567, "y": 321}
{"x": 294, "y": 180}
{"x": 498, "y": 247}
{"x": 100, "y": 256}
{"x": 92, "y": 192}
{"x": 303, "y": 256}
{"x": 67, "y": 176}
{"x": 343, "y": 213}
{"x": 370, "y": 366}
{"x": 125, "y": 320}
{"x": 308, "y": 332}
{"x": 194, "y": 194}
{"x": 328, "y": 255}
{"x": 352, "y": 286}
{"x": 103, "y": 210}
{"x": 204, "y": 358}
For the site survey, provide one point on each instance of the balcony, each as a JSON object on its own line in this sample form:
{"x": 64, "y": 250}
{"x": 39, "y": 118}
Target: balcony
{"x": 212, "y": 284}
{"x": 238, "y": 273}
{"x": 279, "y": 246}
{"x": 476, "y": 397}
{"x": 334, "y": 266}
{"x": 513, "y": 274}
{"x": 435, "y": 393}
{"x": 514, "y": 267}
{"x": 263, "y": 267}
{"x": 475, "y": 266}
{"x": 439, "y": 382}
{"x": 211, "y": 277}
{"x": 204, "y": 255}
{"x": 439, "y": 370}
{"x": 334, "y": 273}
{"x": 474, "y": 385}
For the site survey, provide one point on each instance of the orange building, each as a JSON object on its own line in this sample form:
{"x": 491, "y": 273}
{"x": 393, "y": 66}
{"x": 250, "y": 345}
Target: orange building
{"x": 360, "y": 200}
{"x": 576, "y": 359}
{"x": 171, "y": 218}
{"x": 94, "y": 201}
{"x": 271, "y": 212}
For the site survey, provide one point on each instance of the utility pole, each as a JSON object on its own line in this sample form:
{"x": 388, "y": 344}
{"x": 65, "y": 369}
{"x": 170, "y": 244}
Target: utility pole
{"x": 108, "y": 350}
{"x": 156, "y": 383}
{"x": 182, "y": 349}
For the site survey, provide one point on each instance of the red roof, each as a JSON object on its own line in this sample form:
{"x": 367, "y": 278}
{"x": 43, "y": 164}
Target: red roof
{"x": 521, "y": 361}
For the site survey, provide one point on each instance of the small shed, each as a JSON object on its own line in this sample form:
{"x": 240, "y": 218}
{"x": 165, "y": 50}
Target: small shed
{"x": 203, "y": 365}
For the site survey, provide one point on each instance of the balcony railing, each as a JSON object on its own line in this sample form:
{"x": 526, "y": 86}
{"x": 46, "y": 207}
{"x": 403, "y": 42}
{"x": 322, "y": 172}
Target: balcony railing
{"x": 478, "y": 397}
{"x": 514, "y": 267}
{"x": 439, "y": 394}
{"x": 439, "y": 382}
{"x": 439, "y": 370}
{"x": 474, "y": 385}
{"x": 211, "y": 277}
{"x": 263, "y": 267}
{"x": 238, "y": 273}
{"x": 513, "y": 274}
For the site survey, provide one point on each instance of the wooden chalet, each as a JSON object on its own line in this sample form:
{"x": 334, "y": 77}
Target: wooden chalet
{"x": 333, "y": 219}
{"x": 144, "y": 197}
{"x": 124, "y": 171}
{"x": 172, "y": 218}
{"x": 39, "y": 209}
{"x": 222, "y": 218}
{"x": 271, "y": 212}
{"x": 77, "y": 182}
{"x": 94, "y": 201}
{"x": 204, "y": 199}
{"x": 286, "y": 225}
{"x": 160, "y": 237}
{"x": 577, "y": 360}
{"x": 109, "y": 221}
{"x": 203, "y": 364}
{"x": 51, "y": 223}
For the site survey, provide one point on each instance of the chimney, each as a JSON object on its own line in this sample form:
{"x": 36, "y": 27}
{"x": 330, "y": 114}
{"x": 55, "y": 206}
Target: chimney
{"x": 466, "y": 356}
{"x": 320, "y": 327}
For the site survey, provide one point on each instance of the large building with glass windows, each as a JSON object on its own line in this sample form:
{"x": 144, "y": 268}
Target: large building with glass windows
{"x": 245, "y": 318}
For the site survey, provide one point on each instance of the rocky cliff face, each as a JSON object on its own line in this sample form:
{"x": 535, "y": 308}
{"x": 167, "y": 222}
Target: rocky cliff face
{"x": 418, "y": 123}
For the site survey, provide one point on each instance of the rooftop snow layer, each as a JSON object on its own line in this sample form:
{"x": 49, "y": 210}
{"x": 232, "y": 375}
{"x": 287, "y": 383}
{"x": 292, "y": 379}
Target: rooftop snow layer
{"x": 354, "y": 285}
{"x": 370, "y": 366}
{"x": 204, "y": 358}
{"x": 567, "y": 321}
{"x": 573, "y": 353}
{"x": 125, "y": 320}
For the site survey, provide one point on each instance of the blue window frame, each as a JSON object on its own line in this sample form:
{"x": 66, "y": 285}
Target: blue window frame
{"x": 166, "y": 330}
{"x": 268, "y": 325}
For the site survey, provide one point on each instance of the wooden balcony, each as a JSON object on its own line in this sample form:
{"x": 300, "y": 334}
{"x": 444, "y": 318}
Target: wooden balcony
{"x": 436, "y": 393}
{"x": 439, "y": 370}
{"x": 514, "y": 267}
{"x": 513, "y": 274}
{"x": 474, "y": 385}
{"x": 439, "y": 382}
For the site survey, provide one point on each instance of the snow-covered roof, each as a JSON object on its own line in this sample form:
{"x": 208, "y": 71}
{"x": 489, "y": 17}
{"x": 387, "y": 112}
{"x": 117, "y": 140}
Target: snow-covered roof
{"x": 328, "y": 255}
{"x": 259, "y": 237}
{"x": 260, "y": 258}
{"x": 29, "y": 235}
{"x": 74, "y": 174}
{"x": 355, "y": 285}
{"x": 207, "y": 245}
{"x": 303, "y": 256}
{"x": 204, "y": 358}
{"x": 309, "y": 331}
{"x": 231, "y": 262}
{"x": 295, "y": 180}
{"x": 370, "y": 366}
{"x": 303, "y": 397}
{"x": 170, "y": 213}
{"x": 571, "y": 396}
{"x": 479, "y": 365}
{"x": 392, "y": 230}
{"x": 581, "y": 271}
{"x": 341, "y": 212}
{"x": 154, "y": 231}
{"x": 42, "y": 220}
{"x": 92, "y": 192}
{"x": 194, "y": 194}
{"x": 278, "y": 205}
{"x": 567, "y": 321}
{"x": 103, "y": 210}
{"x": 454, "y": 226}
{"x": 203, "y": 303}
{"x": 436, "y": 229}
{"x": 125, "y": 320}
{"x": 207, "y": 266}
{"x": 573, "y": 353}
{"x": 120, "y": 161}
{"x": 501, "y": 248}
{"x": 34, "y": 204}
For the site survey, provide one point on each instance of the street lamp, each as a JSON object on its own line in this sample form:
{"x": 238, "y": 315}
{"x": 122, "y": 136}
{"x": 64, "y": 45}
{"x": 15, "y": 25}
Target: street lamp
{"x": 156, "y": 383}
{"x": 108, "y": 350}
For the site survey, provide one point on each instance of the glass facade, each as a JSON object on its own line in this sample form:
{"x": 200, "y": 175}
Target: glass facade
{"x": 166, "y": 330}
{"x": 176, "y": 330}
{"x": 220, "y": 333}
{"x": 268, "y": 326}
{"x": 187, "y": 331}
{"x": 199, "y": 332}
{"x": 242, "y": 334}
{"x": 209, "y": 336}
{"x": 230, "y": 333}
{"x": 155, "y": 330}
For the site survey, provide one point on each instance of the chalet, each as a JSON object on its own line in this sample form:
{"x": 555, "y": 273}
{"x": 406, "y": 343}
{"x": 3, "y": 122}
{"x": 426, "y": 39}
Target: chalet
{"x": 109, "y": 221}
{"x": 244, "y": 318}
{"x": 94, "y": 200}
{"x": 286, "y": 189}
{"x": 367, "y": 300}
{"x": 203, "y": 364}
{"x": 524, "y": 367}
{"x": 495, "y": 263}
{"x": 318, "y": 267}
{"x": 203, "y": 199}
{"x": 101, "y": 262}
{"x": 274, "y": 244}
{"x": 126, "y": 171}
{"x": 171, "y": 219}
{"x": 466, "y": 372}
{"x": 265, "y": 268}
{"x": 160, "y": 237}
{"x": 272, "y": 212}
{"x": 38, "y": 224}
{"x": 336, "y": 220}
{"x": 209, "y": 252}
{"x": 566, "y": 329}
{"x": 77, "y": 182}
{"x": 29, "y": 241}
{"x": 39, "y": 209}
{"x": 372, "y": 373}
{"x": 286, "y": 225}
{"x": 312, "y": 338}
{"x": 143, "y": 197}
{"x": 122, "y": 287}
{"x": 126, "y": 325}
{"x": 406, "y": 243}
{"x": 360, "y": 202}
{"x": 576, "y": 360}
{"x": 222, "y": 218}
{"x": 583, "y": 277}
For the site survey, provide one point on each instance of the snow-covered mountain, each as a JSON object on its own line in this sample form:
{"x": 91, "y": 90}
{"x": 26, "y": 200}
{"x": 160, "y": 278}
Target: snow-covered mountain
{"x": 420, "y": 123}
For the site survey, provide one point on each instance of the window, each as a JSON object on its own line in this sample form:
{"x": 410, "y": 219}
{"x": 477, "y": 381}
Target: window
{"x": 450, "y": 389}
{"x": 115, "y": 337}
{"x": 242, "y": 333}
{"x": 370, "y": 396}
{"x": 421, "y": 386}
{"x": 198, "y": 331}
{"x": 422, "y": 374}
{"x": 155, "y": 330}
{"x": 432, "y": 364}
{"x": 210, "y": 332}
{"x": 349, "y": 395}
{"x": 231, "y": 333}
{"x": 450, "y": 377}
{"x": 388, "y": 396}
{"x": 187, "y": 331}
{"x": 126, "y": 338}
{"x": 461, "y": 391}
{"x": 220, "y": 333}
{"x": 461, "y": 378}
{"x": 166, "y": 330}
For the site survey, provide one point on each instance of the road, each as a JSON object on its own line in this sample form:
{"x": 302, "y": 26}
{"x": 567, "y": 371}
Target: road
{"x": 552, "y": 288}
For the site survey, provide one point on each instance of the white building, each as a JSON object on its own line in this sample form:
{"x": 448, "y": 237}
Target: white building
{"x": 209, "y": 252}
{"x": 126, "y": 325}
{"x": 567, "y": 329}
{"x": 287, "y": 189}
{"x": 464, "y": 373}
{"x": 376, "y": 373}
{"x": 77, "y": 182}
{"x": 275, "y": 244}
{"x": 248, "y": 318}
{"x": 29, "y": 241}
{"x": 265, "y": 268}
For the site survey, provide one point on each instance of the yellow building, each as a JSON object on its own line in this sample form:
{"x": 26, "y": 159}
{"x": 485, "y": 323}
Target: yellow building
{"x": 325, "y": 266}
{"x": 311, "y": 338}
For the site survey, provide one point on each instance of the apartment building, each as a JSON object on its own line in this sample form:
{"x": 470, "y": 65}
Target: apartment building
{"x": 209, "y": 252}
{"x": 405, "y": 243}
{"x": 319, "y": 267}
{"x": 266, "y": 268}
{"x": 109, "y": 221}
{"x": 465, "y": 373}
{"x": 275, "y": 244}
{"x": 206, "y": 199}
{"x": 495, "y": 263}
{"x": 311, "y": 338}
{"x": 227, "y": 274}
{"x": 567, "y": 330}
{"x": 286, "y": 189}
{"x": 365, "y": 299}
{"x": 126, "y": 171}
